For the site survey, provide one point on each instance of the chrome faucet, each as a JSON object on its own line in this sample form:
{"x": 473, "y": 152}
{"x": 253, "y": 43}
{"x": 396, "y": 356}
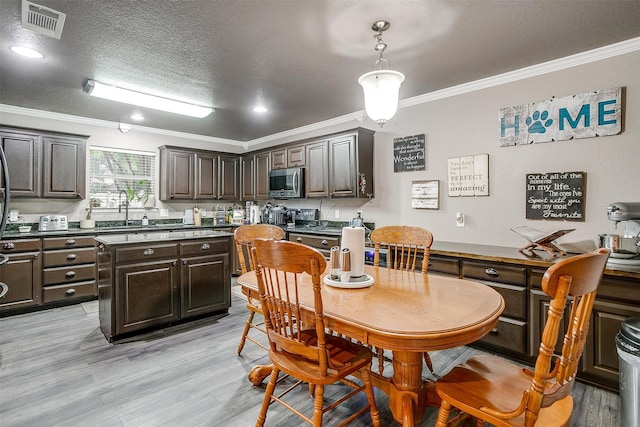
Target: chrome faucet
{"x": 126, "y": 207}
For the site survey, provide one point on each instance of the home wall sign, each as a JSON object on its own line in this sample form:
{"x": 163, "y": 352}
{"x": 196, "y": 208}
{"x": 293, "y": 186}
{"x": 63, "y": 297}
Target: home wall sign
{"x": 556, "y": 196}
{"x": 586, "y": 115}
{"x": 425, "y": 194}
{"x": 468, "y": 175}
{"x": 408, "y": 153}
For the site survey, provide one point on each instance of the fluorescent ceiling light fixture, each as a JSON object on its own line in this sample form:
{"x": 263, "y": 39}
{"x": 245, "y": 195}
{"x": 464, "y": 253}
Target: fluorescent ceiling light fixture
{"x": 140, "y": 99}
{"x": 27, "y": 52}
{"x": 259, "y": 109}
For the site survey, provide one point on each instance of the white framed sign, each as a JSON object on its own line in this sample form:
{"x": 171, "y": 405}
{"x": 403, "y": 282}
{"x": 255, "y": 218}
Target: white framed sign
{"x": 468, "y": 175}
{"x": 586, "y": 115}
{"x": 425, "y": 194}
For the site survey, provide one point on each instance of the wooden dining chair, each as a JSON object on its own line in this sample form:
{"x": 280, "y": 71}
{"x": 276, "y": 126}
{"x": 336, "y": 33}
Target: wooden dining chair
{"x": 497, "y": 391}
{"x": 300, "y": 347}
{"x": 405, "y": 245}
{"x": 244, "y": 237}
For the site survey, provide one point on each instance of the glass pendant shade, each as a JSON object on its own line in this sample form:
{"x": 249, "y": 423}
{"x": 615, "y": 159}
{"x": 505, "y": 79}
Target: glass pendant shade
{"x": 381, "y": 89}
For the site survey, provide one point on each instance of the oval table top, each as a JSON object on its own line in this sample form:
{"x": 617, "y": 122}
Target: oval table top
{"x": 406, "y": 310}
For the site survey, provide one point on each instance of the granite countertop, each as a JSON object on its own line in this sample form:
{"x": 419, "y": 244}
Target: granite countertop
{"x": 133, "y": 229}
{"x": 159, "y": 236}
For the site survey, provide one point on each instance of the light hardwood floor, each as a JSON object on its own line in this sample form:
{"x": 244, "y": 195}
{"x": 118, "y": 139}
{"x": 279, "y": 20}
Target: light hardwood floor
{"x": 57, "y": 369}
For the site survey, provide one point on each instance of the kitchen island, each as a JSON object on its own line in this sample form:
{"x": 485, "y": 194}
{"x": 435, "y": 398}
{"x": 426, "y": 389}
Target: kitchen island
{"x": 151, "y": 280}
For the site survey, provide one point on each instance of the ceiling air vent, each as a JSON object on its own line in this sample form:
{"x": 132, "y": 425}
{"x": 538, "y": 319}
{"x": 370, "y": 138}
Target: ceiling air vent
{"x": 42, "y": 20}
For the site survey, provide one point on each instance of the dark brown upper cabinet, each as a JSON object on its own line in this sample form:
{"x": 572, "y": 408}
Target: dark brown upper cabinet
{"x": 187, "y": 174}
{"x": 43, "y": 164}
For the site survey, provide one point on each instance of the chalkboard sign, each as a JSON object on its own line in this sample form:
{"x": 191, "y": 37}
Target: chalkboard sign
{"x": 556, "y": 196}
{"x": 408, "y": 153}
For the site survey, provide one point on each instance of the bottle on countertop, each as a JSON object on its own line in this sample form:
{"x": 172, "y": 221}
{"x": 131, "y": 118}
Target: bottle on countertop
{"x": 145, "y": 220}
{"x": 229, "y": 215}
{"x": 197, "y": 218}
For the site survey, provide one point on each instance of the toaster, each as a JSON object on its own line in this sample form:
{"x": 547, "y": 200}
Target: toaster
{"x": 53, "y": 223}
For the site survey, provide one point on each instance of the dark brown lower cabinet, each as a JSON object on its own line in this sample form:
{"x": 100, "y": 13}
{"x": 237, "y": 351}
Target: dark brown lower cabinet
{"x": 22, "y": 274}
{"x": 146, "y": 295}
{"x": 203, "y": 285}
{"x": 146, "y": 286}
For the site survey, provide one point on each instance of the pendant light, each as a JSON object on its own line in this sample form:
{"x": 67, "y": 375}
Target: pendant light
{"x": 381, "y": 86}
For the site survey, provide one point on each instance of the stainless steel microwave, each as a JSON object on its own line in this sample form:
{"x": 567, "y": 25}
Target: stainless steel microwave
{"x": 286, "y": 183}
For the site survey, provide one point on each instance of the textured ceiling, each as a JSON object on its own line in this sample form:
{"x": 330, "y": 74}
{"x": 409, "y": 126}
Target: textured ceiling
{"x": 301, "y": 58}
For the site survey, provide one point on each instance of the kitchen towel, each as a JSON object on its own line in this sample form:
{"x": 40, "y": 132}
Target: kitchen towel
{"x": 353, "y": 239}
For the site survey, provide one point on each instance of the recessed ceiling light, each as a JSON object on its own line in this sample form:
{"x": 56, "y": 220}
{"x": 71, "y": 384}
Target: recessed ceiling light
{"x": 259, "y": 109}
{"x": 137, "y": 117}
{"x": 27, "y": 52}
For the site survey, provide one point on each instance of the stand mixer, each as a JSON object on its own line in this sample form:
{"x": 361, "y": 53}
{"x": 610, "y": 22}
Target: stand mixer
{"x": 625, "y": 248}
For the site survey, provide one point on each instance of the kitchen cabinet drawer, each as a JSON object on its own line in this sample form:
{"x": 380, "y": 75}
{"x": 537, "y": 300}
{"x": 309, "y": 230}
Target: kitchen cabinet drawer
{"x": 11, "y": 246}
{"x": 69, "y": 274}
{"x": 495, "y": 272}
{"x": 67, "y": 242}
{"x": 69, "y": 257}
{"x": 71, "y": 291}
{"x": 205, "y": 247}
{"x": 515, "y": 299}
{"x": 509, "y": 334}
{"x": 322, "y": 243}
{"x": 443, "y": 265}
{"x": 143, "y": 253}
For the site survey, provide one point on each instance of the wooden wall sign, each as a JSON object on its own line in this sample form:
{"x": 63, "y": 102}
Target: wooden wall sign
{"x": 468, "y": 175}
{"x": 408, "y": 153}
{"x": 556, "y": 196}
{"x": 586, "y": 115}
{"x": 425, "y": 194}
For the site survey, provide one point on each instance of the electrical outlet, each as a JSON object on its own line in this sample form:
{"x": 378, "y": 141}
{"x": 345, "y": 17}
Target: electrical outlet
{"x": 337, "y": 213}
{"x": 460, "y": 219}
{"x": 164, "y": 212}
{"x": 203, "y": 213}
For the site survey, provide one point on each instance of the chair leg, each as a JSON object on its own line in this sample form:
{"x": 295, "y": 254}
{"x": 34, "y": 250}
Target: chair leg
{"x": 428, "y": 362}
{"x": 318, "y": 404}
{"x": 380, "y": 353}
{"x": 443, "y": 414}
{"x": 267, "y": 397}
{"x": 247, "y": 326}
{"x": 368, "y": 389}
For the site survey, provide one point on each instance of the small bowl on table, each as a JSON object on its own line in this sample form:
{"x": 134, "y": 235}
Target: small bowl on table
{"x": 24, "y": 228}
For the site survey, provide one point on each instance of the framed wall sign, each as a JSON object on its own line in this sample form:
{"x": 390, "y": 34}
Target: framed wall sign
{"x": 408, "y": 153}
{"x": 468, "y": 175}
{"x": 556, "y": 196}
{"x": 425, "y": 194}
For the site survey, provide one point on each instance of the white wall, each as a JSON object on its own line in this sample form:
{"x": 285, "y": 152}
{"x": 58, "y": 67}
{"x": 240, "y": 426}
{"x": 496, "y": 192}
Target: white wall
{"x": 460, "y": 125}
{"x": 468, "y": 124}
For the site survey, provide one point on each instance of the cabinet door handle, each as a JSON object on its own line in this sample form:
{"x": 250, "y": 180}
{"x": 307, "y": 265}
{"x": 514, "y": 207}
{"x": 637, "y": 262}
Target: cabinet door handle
{"x": 70, "y": 242}
{"x": 206, "y": 246}
{"x": 494, "y": 331}
{"x": 184, "y": 262}
{"x": 429, "y": 263}
{"x": 491, "y": 272}
{"x": 9, "y": 245}
{"x": 174, "y": 263}
{"x": 299, "y": 240}
{"x": 70, "y": 291}
{"x": 71, "y": 256}
{"x": 70, "y": 274}
{"x": 148, "y": 252}
{"x": 324, "y": 243}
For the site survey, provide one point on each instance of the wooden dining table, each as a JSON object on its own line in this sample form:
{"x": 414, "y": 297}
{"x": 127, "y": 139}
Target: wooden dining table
{"x": 407, "y": 313}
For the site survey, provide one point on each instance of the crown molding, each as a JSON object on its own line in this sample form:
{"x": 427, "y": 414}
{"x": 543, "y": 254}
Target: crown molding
{"x": 41, "y": 114}
{"x": 617, "y": 49}
{"x": 582, "y": 58}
